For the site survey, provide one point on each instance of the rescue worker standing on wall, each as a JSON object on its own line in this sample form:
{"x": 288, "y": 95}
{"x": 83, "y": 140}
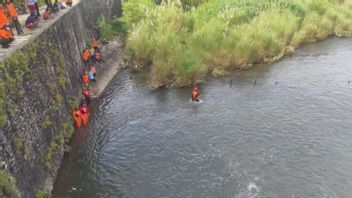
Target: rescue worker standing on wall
{"x": 86, "y": 56}
{"x": 95, "y": 45}
{"x": 14, "y": 16}
{"x": 195, "y": 93}
{"x": 6, "y": 34}
{"x": 85, "y": 78}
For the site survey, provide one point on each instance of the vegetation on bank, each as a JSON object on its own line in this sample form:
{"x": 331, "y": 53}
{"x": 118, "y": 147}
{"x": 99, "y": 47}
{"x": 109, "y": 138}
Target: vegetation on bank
{"x": 63, "y": 138}
{"x": 41, "y": 193}
{"x": 7, "y": 185}
{"x": 181, "y": 41}
{"x": 110, "y": 29}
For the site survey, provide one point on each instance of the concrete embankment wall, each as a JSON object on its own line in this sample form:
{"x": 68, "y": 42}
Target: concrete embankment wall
{"x": 38, "y": 83}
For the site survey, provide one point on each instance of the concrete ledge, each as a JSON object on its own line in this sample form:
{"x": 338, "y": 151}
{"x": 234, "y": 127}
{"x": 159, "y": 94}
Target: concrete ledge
{"x": 21, "y": 41}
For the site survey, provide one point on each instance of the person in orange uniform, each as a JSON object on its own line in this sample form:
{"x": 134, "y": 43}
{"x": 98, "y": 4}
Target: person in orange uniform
{"x": 98, "y": 57}
{"x": 86, "y": 56}
{"x": 14, "y": 16}
{"x": 195, "y": 93}
{"x": 95, "y": 45}
{"x": 77, "y": 116}
{"x": 84, "y": 114}
{"x": 6, "y": 35}
{"x": 85, "y": 78}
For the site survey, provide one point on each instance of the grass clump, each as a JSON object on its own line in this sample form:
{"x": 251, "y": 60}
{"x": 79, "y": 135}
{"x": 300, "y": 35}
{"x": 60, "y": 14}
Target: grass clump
{"x": 46, "y": 123}
{"x": 8, "y": 185}
{"x": 65, "y": 134}
{"x": 55, "y": 104}
{"x": 18, "y": 143}
{"x": 41, "y": 194}
{"x": 3, "y": 115}
{"x": 181, "y": 41}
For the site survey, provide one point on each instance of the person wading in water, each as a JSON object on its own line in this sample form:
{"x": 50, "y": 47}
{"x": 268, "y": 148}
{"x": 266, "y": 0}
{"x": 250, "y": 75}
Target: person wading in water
{"x": 195, "y": 93}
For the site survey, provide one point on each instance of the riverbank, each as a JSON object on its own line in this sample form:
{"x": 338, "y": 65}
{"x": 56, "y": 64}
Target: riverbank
{"x": 180, "y": 46}
{"x": 114, "y": 62}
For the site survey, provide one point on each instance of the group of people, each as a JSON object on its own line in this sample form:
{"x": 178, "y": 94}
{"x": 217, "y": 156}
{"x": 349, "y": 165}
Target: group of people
{"x": 52, "y": 7}
{"x": 89, "y": 57}
{"x": 9, "y": 17}
{"x": 92, "y": 55}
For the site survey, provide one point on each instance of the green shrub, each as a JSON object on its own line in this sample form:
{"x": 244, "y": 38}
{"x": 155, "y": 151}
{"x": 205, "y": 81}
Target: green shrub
{"x": 18, "y": 143}
{"x": 41, "y": 194}
{"x": 73, "y": 103}
{"x": 110, "y": 29}
{"x": 64, "y": 136}
{"x": 46, "y": 123}
{"x": 3, "y": 115}
{"x": 8, "y": 185}
{"x": 55, "y": 104}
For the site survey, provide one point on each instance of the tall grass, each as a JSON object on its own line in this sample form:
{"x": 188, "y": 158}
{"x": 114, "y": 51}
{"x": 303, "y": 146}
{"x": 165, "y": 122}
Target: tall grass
{"x": 181, "y": 41}
{"x": 109, "y": 29}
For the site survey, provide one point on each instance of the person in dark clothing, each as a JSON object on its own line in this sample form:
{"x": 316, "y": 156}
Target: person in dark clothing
{"x": 31, "y": 22}
{"x": 83, "y": 101}
{"x": 48, "y": 5}
{"x": 56, "y": 7}
{"x": 37, "y": 8}
{"x": 69, "y": 3}
{"x": 86, "y": 95}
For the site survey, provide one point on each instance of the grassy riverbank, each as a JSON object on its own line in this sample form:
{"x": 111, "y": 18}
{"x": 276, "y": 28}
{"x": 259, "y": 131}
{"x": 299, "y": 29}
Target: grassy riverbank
{"x": 180, "y": 43}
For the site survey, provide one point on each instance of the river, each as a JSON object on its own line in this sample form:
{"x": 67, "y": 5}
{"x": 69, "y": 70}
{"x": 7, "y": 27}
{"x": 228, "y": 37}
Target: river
{"x": 289, "y": 135}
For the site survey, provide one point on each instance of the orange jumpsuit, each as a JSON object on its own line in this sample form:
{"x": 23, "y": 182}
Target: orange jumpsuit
{"x": 86, "y": 55}
{"x": 85, "y": 79}
{"x": 5, "y": 33}
{"x": 77, "y": 116}
{"x": 12, "y": 10}
{"x": 84, "y": 114}
{"x": 194, "y": 95}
